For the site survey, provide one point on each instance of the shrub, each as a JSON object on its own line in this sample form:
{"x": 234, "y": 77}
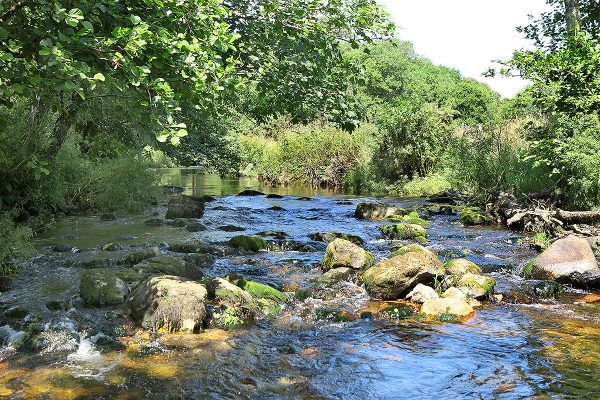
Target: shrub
{"x": 13, "y": 242}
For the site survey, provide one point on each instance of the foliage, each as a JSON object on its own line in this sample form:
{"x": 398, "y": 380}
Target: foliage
{"x": 13, "y": 242}
{"x": 318, "y": 154}
{"x": 427, "y": 185}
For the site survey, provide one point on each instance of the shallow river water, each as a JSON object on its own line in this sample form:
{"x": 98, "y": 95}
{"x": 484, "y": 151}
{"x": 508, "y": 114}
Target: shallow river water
{"x": 544, "y": 349}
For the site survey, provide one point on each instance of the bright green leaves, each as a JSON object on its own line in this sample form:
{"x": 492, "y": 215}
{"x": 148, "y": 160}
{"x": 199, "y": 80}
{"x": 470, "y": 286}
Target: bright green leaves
{"x": 38, "y": 168}
{"x": 74, "y": 17}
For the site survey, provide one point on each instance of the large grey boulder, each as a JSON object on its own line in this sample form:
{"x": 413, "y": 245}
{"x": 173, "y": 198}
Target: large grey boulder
{"x": 169, "y": 303}
{"x": 568, "y": 260}
{"x": 392, "y": 278}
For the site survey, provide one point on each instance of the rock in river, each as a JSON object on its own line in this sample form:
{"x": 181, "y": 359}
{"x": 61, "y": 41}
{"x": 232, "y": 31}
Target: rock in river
{"x": 476, "y": 286}
{"x": 248, "y": 243}
{"x": 343, "y": 253}
{"x": 376, "y": 211}
{"x": 404, "y": 231}
{"x": 168, "y": 265}
{"x": 421, "y": 293}
{"x": 568, "y": 260}
{"x": 392, "y": 278}
{"x": 185, "y": 207}
{"x": 169, "y": 302}
{"x": 99, "y": 287}
{"x": 449, "y": 308}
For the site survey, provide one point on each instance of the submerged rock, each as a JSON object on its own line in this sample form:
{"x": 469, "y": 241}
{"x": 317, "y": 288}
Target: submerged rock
{"x": 248, "y": 243}
{"x": 185, "y": 207}
{"x": 374, "y": 211}
{"x": 231, "y": 228}
{"x": 63, "y": 248}
{"x": 154, "y": 222}
{"x": 343, "y": 253}
{"x": 446, "y": 308}
{"x": 108, "y": 217}
{"x": 191, "y": 247}
{"x": 421, "y": 293}
{"x": 288, "y": 245}
{"x": 171, "y": 303}
{"x": 274, "y": 196}
{"x": 392, "y": 278}
{"x": 568, "y": 260}
{"x": 195, "y": 227}
{"x": 328, "y": 237}
{"x": 273, "y": 234}
{"x": 404, "y": 231}
{"x": 167, "y": 265}
{"x": 250, "y": 192}
{"x": 101, "y": 287}
{"x": 200, "y": 260}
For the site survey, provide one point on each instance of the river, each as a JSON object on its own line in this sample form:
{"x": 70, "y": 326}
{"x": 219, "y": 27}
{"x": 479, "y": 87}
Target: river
{"x": 540, "y": 349}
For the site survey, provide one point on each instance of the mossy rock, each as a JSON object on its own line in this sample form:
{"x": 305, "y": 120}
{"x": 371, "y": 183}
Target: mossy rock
{"x": 343, "y": 253}
{"x": 141, "y": 255}
{"x": 258, "y": 290}
{"x": 167, "y": 265}
{"x": 231, "y": 228}
{"x": 470, "y": 216}
{"x": 409, "y": 248}
{"x": 100, "y": 287}
{"x": 334, "y": 276}
{"x": 191, "y": 247}
{"x": 232, "y": 305}
{"x": 477, "y": 286}
{"x": 459, "y": 267}
{"x": 328, "y": 237}
{"x": 404, "y": 231}
{"x": 374, "y": 211}
{"x": 248, "y": 243}
{"x": 411, "y": 218}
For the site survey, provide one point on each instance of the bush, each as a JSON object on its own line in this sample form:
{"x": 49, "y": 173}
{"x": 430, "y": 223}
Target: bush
{"x": 427, "y": 185}
{"x": 122, "y": 182}
{"x": 13, "y": 242}
{"x": 318, "y": 154}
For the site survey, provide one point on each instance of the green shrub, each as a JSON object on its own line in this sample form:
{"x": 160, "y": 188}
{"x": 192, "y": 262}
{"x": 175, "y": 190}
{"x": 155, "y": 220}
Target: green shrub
{"x": 14, "y": 242}
{"x": 427, "y": 185}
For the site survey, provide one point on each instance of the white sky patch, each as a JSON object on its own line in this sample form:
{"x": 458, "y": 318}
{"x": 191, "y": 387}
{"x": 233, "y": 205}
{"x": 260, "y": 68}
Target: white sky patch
{"x": 467, "y": 34}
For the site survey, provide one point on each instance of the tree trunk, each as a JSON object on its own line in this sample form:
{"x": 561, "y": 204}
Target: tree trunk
{"x": 572, "y": 16}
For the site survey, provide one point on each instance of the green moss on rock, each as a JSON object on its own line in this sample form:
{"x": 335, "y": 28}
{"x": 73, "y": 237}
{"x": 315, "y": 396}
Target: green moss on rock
{"x": 248, "y": 243}
{"x": 100, "y": 287}
{"x": 404, "y": 231}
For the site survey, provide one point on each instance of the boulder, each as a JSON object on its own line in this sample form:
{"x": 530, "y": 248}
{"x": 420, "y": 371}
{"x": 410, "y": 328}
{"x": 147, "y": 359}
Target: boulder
{"x": 459, "y": 267}
{"x": 99, "y": 287}
{"x": 476, "y": 286}
{"x": 273, "y": 234}
{"x": 258, "y": 290}
{"x": 191, "y": 247}
{"x": 335, "y": 275}
{"x": 453, "y": 293}
{"x": 421, "y": 293}
{"x": 568, "y": 260}
{"x": 404, "y": 231}
{"x": 231, "y": 228}
{"x": 374, "y": 211}
{"x": 141, "y": 255}
{"x": 171, "y": 303}
{"x": 185, "y": 207}
{"x": 328, "y": 237}
{"x": 231, "y": 304}
{"x": 248, "y": 243}
{"x": 200, "y": 260}
{"x": 195, "y": 227}
{"x": 413, "y": 247}
{"x": 168, "y": 265}
{"x": 392, "y": 278}
{"x": 446, "y": 308}
{"x": 410, "y": 218}
{"x": 470, "y": 216}
{"x": 343, "y": 253}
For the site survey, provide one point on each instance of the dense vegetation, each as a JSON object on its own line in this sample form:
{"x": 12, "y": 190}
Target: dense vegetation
{"x": 92, "y": 94}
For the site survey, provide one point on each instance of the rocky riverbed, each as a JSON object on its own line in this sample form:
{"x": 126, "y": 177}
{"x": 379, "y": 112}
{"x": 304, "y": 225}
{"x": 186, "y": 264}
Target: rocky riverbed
{"x": 292, "y": 293}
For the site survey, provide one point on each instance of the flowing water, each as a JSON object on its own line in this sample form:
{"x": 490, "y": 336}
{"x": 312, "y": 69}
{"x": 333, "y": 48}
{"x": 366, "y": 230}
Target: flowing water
{"x": 539, "y": 349}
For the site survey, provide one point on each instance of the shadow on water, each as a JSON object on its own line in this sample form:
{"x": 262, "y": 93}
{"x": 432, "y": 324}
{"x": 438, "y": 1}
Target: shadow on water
{"x": 547, "y": 350}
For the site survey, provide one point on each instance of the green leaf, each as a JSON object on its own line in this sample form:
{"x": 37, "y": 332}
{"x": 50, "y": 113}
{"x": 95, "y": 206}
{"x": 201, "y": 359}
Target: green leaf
{"x": 99, "y": 77}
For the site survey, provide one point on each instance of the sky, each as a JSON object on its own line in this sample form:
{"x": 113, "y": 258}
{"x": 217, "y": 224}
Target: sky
{"x": 466, "y": 34}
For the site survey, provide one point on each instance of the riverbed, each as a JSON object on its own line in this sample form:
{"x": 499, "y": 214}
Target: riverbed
{"x": 548, "y": 348}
